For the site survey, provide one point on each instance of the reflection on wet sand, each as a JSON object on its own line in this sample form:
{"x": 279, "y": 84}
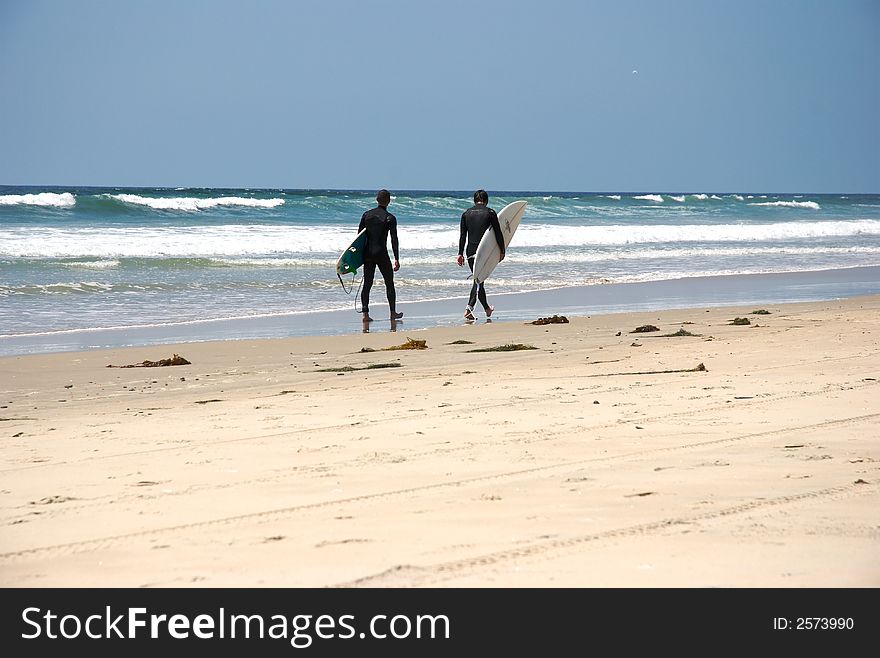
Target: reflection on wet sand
{"x": 366, "y": 326}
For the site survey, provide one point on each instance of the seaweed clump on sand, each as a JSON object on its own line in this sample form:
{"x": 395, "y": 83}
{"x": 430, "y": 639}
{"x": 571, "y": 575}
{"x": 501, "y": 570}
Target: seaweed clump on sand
{"x": 461, "y": 342}
{"x": 509, "y": 347}
{"x": 175, "y": 360}
{"x": 555, "y": 319}
{"x": 645, "y": 328}
{"x": 740, "y": 321}
{"x": 680, "y": 332}
{"x": 699, "y": 368}
{"x": 372, "y": 366}
{"x": 761, "y": 311}
{"x": 410, "y": 344}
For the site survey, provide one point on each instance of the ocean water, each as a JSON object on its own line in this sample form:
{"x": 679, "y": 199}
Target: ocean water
{"x": 95, "y": 258}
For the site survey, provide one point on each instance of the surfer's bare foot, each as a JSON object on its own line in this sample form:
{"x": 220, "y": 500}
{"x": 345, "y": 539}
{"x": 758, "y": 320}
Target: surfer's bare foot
{"x": 397, "y": 315}
{"x": 367, "y": 318}
{"x": 468, "y": 315}
{"x": 489, "y": 310}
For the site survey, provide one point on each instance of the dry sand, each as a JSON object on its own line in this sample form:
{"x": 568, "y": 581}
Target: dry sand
{"x": 578, "y": 464}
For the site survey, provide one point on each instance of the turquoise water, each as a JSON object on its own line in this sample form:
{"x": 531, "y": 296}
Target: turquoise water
{"x": 92, "y": 258}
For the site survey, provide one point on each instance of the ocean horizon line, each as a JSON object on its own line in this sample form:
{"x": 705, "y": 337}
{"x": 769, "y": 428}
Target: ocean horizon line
{"x": 436, "y": 191}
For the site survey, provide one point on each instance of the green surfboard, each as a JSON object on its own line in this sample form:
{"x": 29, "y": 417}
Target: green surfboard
{"x": 353, "y": 256}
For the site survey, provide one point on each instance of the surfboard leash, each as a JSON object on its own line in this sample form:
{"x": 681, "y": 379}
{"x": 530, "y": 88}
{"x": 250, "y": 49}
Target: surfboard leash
{"x": 347, "y": 290}
{"x": 357, "y": 296}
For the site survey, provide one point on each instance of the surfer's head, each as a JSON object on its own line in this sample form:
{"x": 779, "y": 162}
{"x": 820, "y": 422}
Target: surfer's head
{"x": 481, "y": 196}
{"x": 383, "y": 197}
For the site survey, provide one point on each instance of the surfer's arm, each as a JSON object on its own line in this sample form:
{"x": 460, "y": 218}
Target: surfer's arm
{"x": 496, "y": 229}
{"x": 392, "y": 228}
{"x": 462, "y": 236}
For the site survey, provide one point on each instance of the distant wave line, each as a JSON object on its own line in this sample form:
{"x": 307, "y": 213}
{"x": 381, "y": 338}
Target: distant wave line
{"x": 44, "y": 199}
{"x": 790, "y": 204}
{"x": 189, "y": 204}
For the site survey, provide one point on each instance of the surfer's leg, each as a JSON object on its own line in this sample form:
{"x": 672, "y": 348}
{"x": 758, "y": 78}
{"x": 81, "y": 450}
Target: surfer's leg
{"x": 369, "y": 274}
{"x": 472, "y": 298}
{"x": 483, "y": 300}
{"x": 388, "y": 275}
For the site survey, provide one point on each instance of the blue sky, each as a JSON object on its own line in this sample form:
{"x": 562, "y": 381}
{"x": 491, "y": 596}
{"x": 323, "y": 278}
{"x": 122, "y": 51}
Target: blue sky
{"x": 729, "y": 95}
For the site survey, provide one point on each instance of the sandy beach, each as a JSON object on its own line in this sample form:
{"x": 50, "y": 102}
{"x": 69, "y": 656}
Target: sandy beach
{"x": 739, "y": 456}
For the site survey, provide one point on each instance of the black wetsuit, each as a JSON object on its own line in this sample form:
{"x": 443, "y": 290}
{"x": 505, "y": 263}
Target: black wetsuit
{"x": 475, "y": 221}
{"x": 379, "y": 224}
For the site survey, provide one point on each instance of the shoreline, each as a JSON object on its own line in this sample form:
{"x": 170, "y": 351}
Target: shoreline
{"x": 603, "y": 457}
{"x": 724, "y": 290}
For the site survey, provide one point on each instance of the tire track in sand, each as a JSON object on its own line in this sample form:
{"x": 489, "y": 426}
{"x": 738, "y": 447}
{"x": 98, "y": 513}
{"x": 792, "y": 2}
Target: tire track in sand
{"x": 415, "y": 576}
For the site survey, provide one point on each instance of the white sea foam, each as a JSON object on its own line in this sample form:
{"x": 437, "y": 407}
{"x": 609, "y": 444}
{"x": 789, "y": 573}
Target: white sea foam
{"x": 190, "y": 204}
{"x": 229, "y": 241}
{"x": 616, "y": 197}
{"x": 407, "y": 282}
{"x": 132, "y": 242}
{"x": 549, "y": 255}
{"x": 59, "y": 288}
{"x": 45, "y": 199}
{"x": 317, "y": 261}
{"x": 273, "y": 241}
{"x": 548, "y": 235}
{"x": 93, "y": 264}
{"x": 649, "y": 197}
{"x": 790, "y": 204}
{"x": 680, "y": 199}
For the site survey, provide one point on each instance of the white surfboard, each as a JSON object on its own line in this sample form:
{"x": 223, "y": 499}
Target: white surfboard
{"x": 488, "y": 252}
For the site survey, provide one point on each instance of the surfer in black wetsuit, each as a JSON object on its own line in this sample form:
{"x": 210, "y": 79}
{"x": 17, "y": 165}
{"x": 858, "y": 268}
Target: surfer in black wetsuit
{"x": 475, "y": 221}
{"x": 379, "y": 224}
